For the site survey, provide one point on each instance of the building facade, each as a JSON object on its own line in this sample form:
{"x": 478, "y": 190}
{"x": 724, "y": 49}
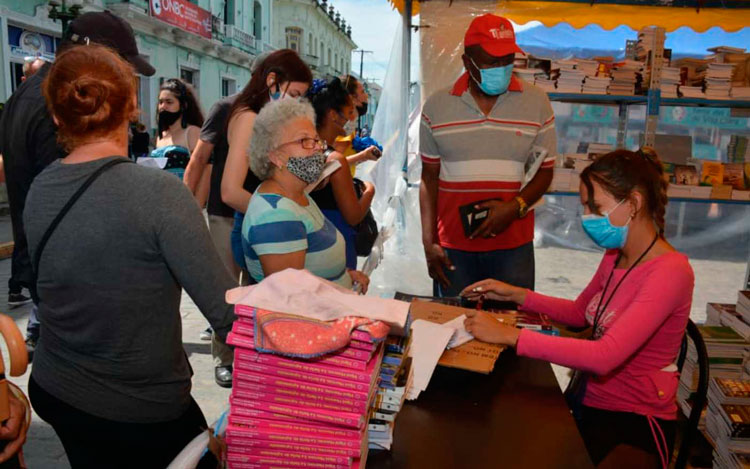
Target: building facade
{"x": 208, "y": 43}
{"x": 317, "y": 32}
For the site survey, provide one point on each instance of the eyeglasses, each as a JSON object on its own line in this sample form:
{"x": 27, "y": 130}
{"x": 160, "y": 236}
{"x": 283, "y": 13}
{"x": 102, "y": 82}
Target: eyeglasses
{"x": 308, "y": 143}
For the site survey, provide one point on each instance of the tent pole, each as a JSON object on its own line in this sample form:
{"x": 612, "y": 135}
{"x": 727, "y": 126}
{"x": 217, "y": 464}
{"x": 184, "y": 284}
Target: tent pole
{"x": 406, "y": 73}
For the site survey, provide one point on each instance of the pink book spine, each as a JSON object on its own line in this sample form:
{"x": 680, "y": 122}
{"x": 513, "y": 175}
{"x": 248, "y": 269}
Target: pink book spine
{"x": 256, "y": 367}
{"x": 243, "y": 341}
{"x": 243, "y": 355}
{"x": 289, "y": 459}
{"x": 244, "y": 328}
{"x": 367, "y": 346}
{"x": 250, "y": 390}
{"x": 252, "y": 465}
{"x": 292, "y": 397}
{"x": 299, "y": 439}
{"x": 343, "y": 419}
{"x": 333, "y": 432}
{"x": 362, "y": 336}
{"x": 261, "y": 414}
{"x": 292, "y": 455}
{"x": 301, "y": 386}
{"x": 244, "y": 311}
{"x": 239, "y": 444}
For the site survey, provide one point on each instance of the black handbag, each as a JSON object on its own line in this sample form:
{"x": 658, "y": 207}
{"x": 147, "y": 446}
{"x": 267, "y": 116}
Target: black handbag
{"x": 367, "y": 229}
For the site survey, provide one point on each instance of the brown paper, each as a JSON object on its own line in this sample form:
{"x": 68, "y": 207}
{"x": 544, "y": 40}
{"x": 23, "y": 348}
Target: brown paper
{"x": 474, "y": 355}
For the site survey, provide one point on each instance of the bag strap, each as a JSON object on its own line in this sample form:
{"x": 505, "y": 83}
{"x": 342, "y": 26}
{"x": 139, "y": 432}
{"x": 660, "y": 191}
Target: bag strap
{"x": 68, "y": 206}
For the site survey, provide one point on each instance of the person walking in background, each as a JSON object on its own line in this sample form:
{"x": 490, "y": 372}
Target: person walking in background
{"x": 28, "y": 139}
{"x": 280, "y": 75}
{"x": 179, "y": 118}
{"x": 111, "y": 375}
{"x": 476, "y": 140}
{"x": 338, "y": 199}
{"x": 209, "y": 157}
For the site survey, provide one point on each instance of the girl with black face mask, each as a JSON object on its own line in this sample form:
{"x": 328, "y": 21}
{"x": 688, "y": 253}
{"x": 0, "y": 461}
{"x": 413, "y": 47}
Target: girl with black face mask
{"x": 180, "y": 119}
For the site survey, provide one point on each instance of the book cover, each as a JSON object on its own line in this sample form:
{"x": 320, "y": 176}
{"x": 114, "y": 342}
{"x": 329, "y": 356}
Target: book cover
{"x": 335, "y": 360}
{"x": 292, "y": 456}
{"x": 242, "y": 366}
{"x": 249, "y": 391}
{"x": 733, "y": 388}
{"x": 291, "y": 438}
{"x": 720, "y": 334}
{"x": 237, "y": 460}
{"x": 244, "y": 357}
{"x": 296, "y": 427}
{"x": 712, "y": 173}
{"x": 685, "y": 175}
{"x": 303, "y": 386}
{"x": 739, "y": 418}
{"x": 240, "y": 444}
{"x": 734, "y": 175}
{"x": 344, "y": 419}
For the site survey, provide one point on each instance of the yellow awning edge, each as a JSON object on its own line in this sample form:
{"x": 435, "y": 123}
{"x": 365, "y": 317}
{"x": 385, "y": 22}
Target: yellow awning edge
{"x": 610, "y": 16}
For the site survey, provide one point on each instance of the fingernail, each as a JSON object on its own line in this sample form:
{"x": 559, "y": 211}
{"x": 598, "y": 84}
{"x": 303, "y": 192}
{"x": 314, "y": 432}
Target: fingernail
{"x": 452, "y": 267}
{"x": 478, "y": 289}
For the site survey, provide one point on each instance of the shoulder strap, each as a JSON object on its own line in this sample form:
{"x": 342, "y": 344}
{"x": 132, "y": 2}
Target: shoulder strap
{"x": 67, "y": 207}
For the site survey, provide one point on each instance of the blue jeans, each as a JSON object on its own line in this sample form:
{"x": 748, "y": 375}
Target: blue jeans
{"x": 236, "y": 240}
{"x": 513, "y": 266}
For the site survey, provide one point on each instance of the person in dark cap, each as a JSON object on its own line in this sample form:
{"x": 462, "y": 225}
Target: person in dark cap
{"x": 28, "y": 141}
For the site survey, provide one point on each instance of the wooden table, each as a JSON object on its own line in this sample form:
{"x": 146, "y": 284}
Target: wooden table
{"x": 514, "y": 417}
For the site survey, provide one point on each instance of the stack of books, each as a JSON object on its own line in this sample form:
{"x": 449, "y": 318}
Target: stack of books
{"x": 546, "y": 84}
{"x": 718, "y": 80}
{"x": 396, "y": 376}
{"x": 727, "y": 354}
{"x": 596, "y": 85}
{"x": 529, "y": 74}
{"x": 300, "y": 412}
{"x": 725, "y": 314}
{"x": 670, "y": 80}
{"x": 692, "y": 92}
{"x": 727, "y": 422}
{"x": 738, "y": 150}
{"x": 743, "y": 305}
{"x": 564, "y": 180}
{"x": 626, "y": 77}
{"x": 740, "y": 92}
{"x": 569, "y": 80}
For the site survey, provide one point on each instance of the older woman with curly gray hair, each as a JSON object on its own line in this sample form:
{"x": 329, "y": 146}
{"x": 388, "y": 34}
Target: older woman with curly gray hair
{"x": 283, "y": 226}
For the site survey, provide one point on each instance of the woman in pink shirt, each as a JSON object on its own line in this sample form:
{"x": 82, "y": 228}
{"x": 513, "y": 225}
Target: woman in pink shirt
{"x": 638, "y": 304}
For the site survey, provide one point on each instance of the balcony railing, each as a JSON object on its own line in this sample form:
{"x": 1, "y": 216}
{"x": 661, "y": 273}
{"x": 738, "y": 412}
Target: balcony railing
{"x": 239, "y": 38}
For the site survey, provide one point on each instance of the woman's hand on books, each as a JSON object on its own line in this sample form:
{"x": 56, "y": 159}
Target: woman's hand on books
{"x": 359, "y": 280}
{"x": 485, "y": 327}
{"x": 494, "y": 290}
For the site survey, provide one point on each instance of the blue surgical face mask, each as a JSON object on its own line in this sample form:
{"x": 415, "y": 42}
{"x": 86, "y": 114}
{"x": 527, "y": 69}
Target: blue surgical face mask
{"x": 601, "y": 230}
{"x": 495, "y": 81}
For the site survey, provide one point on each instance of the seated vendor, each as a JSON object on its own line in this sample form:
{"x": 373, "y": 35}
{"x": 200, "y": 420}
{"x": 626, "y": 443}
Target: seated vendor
{"x": 638, "y": 304}
{"x": 283, "y": 226}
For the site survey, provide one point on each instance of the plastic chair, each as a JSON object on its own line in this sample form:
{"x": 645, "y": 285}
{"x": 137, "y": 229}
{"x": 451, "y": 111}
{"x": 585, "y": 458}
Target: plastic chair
{"x": 699, "y": 397}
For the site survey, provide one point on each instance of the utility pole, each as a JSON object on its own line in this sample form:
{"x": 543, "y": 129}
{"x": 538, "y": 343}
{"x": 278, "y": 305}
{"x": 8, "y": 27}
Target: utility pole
{"x": 361, "y": 79}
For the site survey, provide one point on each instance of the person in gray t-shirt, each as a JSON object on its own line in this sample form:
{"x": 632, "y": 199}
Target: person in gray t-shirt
{"x": 110, "y": 373}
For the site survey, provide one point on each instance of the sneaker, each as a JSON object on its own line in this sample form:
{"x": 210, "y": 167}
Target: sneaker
{"x": 17, "y": 299}
{"x": 206, "y": 335}
{"x": 30, "y": 347}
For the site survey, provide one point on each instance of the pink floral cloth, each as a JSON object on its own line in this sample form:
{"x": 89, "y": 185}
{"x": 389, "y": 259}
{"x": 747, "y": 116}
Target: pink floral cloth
{"x": 297, "y": 336}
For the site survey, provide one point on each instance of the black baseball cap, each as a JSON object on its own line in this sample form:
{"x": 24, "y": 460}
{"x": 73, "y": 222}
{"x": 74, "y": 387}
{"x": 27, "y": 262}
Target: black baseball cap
{"x": 109, "y": 30}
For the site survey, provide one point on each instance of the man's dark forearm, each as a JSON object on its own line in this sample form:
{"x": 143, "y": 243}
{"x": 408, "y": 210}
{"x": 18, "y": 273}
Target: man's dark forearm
{"x": 538, "y": 185}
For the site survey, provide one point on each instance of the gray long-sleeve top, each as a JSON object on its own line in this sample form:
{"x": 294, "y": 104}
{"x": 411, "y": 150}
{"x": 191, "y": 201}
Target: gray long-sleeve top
{"x": 110, "y": 282}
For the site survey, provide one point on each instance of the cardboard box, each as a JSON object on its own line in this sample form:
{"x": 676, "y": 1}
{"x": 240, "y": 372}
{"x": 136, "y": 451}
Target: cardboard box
{"x": 474, "y": 355}
{"x": 721, "y": 191}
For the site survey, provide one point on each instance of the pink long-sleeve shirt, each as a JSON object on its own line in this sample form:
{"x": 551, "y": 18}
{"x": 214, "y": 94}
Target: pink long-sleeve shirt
{"x": 638, "y": 335}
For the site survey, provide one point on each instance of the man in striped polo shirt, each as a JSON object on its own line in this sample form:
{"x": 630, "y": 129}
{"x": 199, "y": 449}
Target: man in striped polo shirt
{"x": 477, "y": 142}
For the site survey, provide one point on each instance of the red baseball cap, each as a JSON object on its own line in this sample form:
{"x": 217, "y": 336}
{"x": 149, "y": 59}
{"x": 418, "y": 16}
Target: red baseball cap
{"x": 494, "y": 33}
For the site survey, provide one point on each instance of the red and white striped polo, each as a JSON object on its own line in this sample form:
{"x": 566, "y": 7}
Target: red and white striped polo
{"x": 484, "y": 156}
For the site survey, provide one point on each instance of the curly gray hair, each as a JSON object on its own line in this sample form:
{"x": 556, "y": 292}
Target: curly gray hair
{"x": 273, "y": 117}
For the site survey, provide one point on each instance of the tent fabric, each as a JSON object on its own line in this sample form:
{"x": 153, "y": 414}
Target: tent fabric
{"x": 610, "y": 16}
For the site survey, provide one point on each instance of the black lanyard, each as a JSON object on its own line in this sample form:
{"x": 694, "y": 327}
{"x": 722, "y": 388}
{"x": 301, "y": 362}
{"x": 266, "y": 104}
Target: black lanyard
{"x": 599, "y": 309}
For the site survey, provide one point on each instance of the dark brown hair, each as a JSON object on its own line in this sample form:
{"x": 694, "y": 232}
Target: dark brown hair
{"x": 90, "y": 90}
{"x": 288, "y": 67}
{"x": 350, "y": 83}
{"x": 185, "y": 94}
{"x": 331, "y": 96}
{"x": 621, "y": 172}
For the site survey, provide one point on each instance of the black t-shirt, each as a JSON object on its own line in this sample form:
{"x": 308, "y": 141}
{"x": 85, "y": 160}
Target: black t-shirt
{"x": 214, "y": 131}
{"x": 28, "y": 143}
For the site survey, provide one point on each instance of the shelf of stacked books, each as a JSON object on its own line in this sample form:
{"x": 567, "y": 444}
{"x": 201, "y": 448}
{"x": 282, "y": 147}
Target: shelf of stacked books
{"x": 704, "y": 102}
{"x": 726, "y": 420}
{"x": 691, "y": 180}
{"x": 597, "y": 98}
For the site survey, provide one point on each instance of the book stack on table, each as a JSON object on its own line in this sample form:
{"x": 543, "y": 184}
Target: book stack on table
{"x": 728, "y": 422}
{"x": 300, "y": 413}
{"x": 727, "y": 355}
{"x": 396, "y": 376}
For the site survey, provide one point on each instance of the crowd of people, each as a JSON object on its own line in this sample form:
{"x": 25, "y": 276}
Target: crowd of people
{"x": 273, "y": 168}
